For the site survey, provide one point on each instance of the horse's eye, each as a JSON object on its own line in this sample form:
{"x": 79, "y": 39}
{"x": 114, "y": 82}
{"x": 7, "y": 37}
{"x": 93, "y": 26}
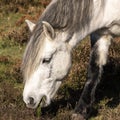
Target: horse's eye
{"x": 46, "y": 60}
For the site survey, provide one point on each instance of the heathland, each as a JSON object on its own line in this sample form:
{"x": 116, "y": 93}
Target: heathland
{"x": 14, "y": 36}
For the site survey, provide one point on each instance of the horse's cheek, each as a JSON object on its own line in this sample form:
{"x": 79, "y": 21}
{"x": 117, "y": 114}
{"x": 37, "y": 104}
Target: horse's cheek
{"x": 61, "y": 66}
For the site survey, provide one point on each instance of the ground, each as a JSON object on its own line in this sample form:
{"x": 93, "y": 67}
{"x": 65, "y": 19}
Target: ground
{"x": 14, "y": 35}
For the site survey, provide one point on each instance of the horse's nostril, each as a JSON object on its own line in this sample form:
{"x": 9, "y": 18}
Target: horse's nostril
{"x": 31, "y": 100}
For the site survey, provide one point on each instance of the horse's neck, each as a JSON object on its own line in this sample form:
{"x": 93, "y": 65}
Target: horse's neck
{"x": 81, "y": 34}
{"x": 96, "y": 23}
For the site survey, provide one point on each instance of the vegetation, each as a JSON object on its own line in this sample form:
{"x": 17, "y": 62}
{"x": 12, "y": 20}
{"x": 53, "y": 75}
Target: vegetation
{"x": 14, "y": 35}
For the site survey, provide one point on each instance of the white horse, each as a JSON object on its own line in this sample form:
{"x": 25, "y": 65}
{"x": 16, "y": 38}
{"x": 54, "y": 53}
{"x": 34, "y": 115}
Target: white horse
{"x": 47, "y": 59}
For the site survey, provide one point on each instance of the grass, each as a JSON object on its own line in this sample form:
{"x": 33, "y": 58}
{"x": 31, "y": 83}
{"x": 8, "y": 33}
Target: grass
{"x": 13, "y": 39}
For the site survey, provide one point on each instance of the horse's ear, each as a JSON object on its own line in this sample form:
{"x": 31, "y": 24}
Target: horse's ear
{"x": 48, "y": 30}
{"x": 30, "y": 24}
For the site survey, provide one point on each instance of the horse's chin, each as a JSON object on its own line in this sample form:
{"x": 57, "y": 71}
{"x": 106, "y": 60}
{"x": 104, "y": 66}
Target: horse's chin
{"x": 45, "y": 101}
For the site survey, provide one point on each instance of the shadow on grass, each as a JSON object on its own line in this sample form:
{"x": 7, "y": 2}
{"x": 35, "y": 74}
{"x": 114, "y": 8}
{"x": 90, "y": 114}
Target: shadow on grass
{"x": 62, "y": 103}
{"x": 110, "y": 83}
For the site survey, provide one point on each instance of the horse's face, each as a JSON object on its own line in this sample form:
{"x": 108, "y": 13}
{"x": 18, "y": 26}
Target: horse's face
{"x": 55, "y": 63}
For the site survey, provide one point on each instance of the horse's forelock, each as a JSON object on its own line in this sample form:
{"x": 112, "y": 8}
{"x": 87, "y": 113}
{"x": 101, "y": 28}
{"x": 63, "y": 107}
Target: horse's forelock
{"x": 32, "y": 56}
